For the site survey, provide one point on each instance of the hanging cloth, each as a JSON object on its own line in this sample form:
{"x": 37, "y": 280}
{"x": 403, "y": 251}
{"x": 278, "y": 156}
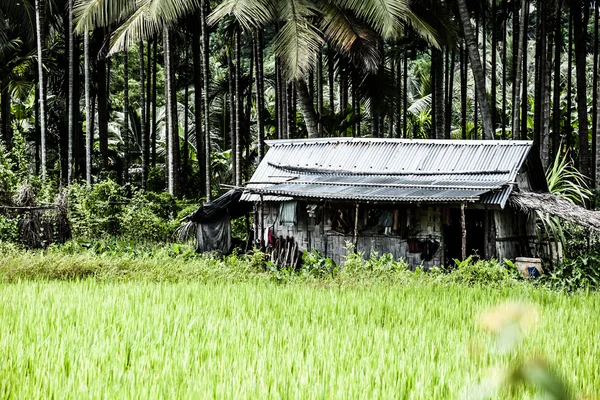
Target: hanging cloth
{"x": 287, "y": 213}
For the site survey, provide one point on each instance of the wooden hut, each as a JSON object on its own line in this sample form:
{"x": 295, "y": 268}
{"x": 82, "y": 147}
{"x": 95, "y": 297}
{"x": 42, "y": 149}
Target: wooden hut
{"x": 426, "y": 201}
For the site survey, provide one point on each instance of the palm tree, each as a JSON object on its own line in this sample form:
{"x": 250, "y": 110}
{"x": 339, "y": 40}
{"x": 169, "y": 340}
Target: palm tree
{"x": 198, "y": 102}
{"x": 144, "y": 125}
{"x": 89, "y": 131}
{"x": 204, "y": 28}
{"x": 342, "y": 23}
{"x": 580, "y": 13}
{"x": 71, "y": 103}
{"x": 39, "y": 19}
{"x": 478, "y": 74}
{"x": 260, "y": 91}
{"x": 517, "y": 86}
{"x": 126, "y": 116}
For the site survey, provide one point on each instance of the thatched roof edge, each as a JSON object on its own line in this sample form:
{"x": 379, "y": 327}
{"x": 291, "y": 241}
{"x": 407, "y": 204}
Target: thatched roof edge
{"x": 556, "y": 206}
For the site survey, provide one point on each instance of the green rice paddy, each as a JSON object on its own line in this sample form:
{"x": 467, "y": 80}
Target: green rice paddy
{"x": 260, "y": 339}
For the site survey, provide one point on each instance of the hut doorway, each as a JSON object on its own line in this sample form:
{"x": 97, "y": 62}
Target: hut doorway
{"x": 474, "y": 222}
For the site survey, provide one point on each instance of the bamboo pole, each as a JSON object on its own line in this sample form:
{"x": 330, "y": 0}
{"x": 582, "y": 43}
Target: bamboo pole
{"x": 262, "y": 223}
{"x": 356, "y": 227}
{"x": 463, "y": 228}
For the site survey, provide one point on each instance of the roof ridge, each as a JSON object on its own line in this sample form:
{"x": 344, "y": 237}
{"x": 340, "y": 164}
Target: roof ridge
{"x": 459, "y": 142}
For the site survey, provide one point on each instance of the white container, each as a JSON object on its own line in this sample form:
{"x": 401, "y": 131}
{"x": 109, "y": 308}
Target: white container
{"x": 525, "y": 264}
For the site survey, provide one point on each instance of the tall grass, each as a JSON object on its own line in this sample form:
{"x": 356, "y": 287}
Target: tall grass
{"x": 113, "y": 320}
{"x": 260, "y": 339}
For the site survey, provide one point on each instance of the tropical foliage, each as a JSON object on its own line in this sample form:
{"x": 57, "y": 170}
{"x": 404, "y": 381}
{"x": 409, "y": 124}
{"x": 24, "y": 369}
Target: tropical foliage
{"x": 194, "y": 87}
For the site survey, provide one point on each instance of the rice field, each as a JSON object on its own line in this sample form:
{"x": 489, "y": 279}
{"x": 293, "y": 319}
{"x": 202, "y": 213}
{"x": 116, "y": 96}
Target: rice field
{"x": 259, "y": 339}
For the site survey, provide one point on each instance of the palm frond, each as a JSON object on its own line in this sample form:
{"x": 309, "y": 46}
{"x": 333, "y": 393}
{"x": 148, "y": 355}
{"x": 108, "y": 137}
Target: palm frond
{"x": 385, "y": 16}
{"x": 144, "y": 23}
{"x": 352, "y": 38}
{"x": 248, "y": 13}
{"x": 97, "y": 13}
{"x": 298, "y": 41}
{"x": 565, "y": 181}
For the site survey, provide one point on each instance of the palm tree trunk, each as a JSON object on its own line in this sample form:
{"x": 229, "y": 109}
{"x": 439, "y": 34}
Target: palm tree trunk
{"x": 89, "y": 129}
{"x": 331, "y": 79}
{"x": 175, "y": 121}
{"x": 154, "y": 97}
{"x": 307, "y": 109}
{"x": 504, "y": 65}
{"x": 260, "y": 90}
{"x": 356, "y": 126}
{"x": 102, "y": 100}
{"x": 39, "y": 22}
{"x": 569, "y": 127}
{"x": 494, "y": 78}
{"x": 238, "y": 108}
{"x": 143, "y": 125}
{"x": 169, "y": 113}
{"x": 185, "y": 168}
{"x": 556, "y": 113}
{"x": 475, "y": 130}
{"x": 6, "y": 134}
{"x": 540, "y": 67}
{"x": 293, "y": 110}
{"x": 232, "y": 121}
{"x": 400, "y": 90}
{"x": 546, "y": 90}
{"x": 36, "y": 128}
{"x": 463, "y": 92}
{"x": 437, "y": 66}
{"x": 580, "y": 24}
{"x": 289, "y": 110}
{"x": 343, "y": 86}
{"x": 319, "y": 77}
{"x": 197, "y": 64}
{"x": 71, "y": 102}
{"x": 596, "y": 106}
{"x": 517, "y": 87}
{"x": 478, "y": 75}
{"x": 524, "y": 95}
{"x": 405, "y": 97}
{"x": 206, "y": 94}
{"x": 126, "y": 116}
{"x": 279, "y": 134}
{"x": 450, "y": 95}
{"x": 148, "y": 96}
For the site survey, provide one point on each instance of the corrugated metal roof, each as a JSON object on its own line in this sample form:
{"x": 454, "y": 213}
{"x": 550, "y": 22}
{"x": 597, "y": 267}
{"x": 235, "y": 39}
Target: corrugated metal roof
{"x": 355, "y": 168}
{"x": 373, "y": 193}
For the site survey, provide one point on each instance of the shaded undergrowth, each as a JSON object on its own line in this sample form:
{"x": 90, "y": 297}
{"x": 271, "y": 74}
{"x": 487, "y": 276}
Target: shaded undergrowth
{"x": 117, "y": 260}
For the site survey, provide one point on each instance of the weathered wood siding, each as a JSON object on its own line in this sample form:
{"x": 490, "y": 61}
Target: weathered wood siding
{"x": 515, "y": 234}
{"x": 426, "y": 224}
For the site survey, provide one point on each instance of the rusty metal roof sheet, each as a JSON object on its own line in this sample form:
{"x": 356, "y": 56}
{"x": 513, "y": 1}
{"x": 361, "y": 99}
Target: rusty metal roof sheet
{"x": 390, "y": 169}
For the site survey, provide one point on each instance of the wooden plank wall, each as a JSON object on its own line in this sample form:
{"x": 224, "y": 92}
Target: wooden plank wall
{"x": 332, "y": 244}
{"x": 515, "y": 234}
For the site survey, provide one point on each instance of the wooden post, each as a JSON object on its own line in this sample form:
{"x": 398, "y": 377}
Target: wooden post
{"x": 356, "y": 227}
{"x": 463, "y": 228}
{"x": 261, "y": 227}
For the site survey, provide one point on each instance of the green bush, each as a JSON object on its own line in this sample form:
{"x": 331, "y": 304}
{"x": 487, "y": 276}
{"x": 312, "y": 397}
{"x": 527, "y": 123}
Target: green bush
{"x": 109, "y": 210}
{"x": 9, "y": 231}
{"x": 355, "y": 262}
{"x": 156, "y": 180}
{"x": 95, "y": 211}
{"x": 579, "y": 273}
{"x": 315, "y": 264}
{"x": 481, "y": 272}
